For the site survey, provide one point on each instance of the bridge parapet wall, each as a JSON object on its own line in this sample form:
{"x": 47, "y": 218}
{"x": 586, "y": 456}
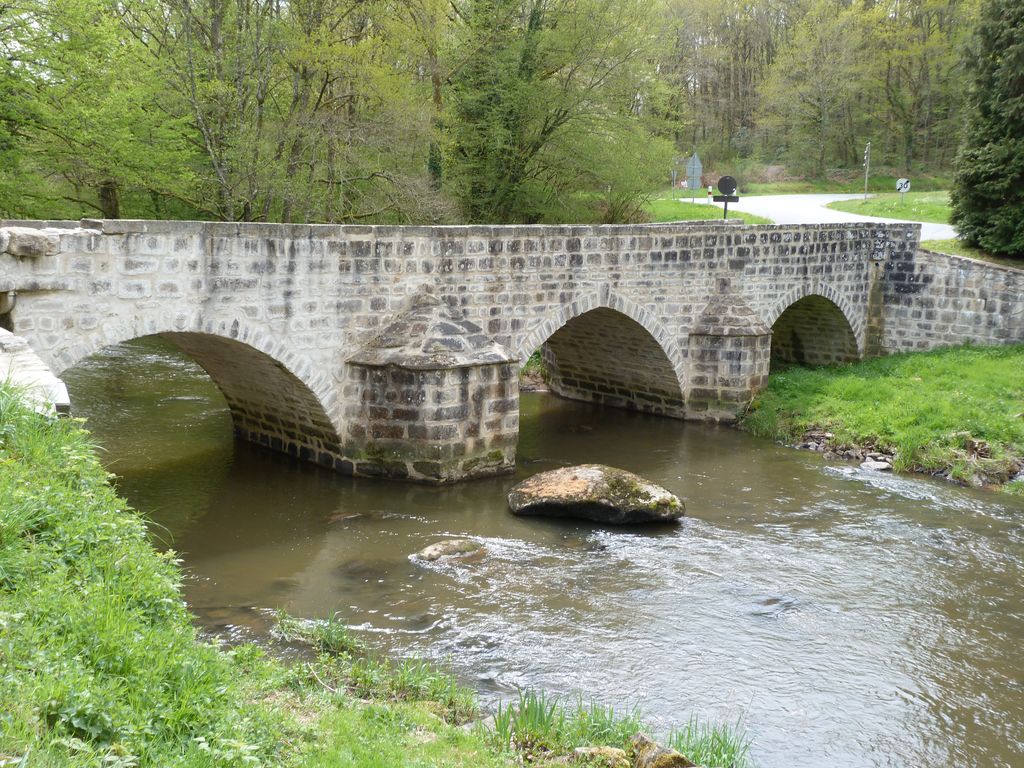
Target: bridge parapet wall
{"x": 343, "y": 281}
{"x": 933, "y": 300}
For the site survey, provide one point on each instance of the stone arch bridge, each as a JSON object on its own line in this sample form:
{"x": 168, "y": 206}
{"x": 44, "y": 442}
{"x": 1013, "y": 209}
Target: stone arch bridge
{"x": 394, "y": 351}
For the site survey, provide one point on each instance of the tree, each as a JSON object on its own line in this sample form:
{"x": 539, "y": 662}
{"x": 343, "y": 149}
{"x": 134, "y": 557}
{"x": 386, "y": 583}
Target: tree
{"x": 914, "y": 46}
{"x": 809, "y": 93}
{"x": 722, "y": 50}
{"x": 82, "y": 106}
{"x": 545, "y": 95}
{"x": 988, "y": 193}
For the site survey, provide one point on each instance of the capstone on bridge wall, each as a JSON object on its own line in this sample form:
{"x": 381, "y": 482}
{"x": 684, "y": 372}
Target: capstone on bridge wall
{"x": 306, "y": 298}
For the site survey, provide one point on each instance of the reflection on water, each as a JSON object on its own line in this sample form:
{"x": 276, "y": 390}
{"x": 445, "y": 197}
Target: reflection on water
{"x": 848, "y": 618}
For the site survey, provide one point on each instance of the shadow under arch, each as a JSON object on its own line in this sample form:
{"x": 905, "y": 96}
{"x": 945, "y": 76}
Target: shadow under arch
{"x": 607, "y": 350}
{"x": 811, "y": 327}
{"x": 272, "y": 398}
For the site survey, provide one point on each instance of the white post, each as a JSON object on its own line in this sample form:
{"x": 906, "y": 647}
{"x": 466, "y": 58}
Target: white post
{"x": 867, "y": 168}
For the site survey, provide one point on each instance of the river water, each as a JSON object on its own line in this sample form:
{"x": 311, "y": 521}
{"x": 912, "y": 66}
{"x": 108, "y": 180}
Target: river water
{"x": 843, "y": 617}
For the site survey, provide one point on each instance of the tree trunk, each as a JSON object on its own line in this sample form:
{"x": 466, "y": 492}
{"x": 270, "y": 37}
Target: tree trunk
{"x": 110, "y": 200}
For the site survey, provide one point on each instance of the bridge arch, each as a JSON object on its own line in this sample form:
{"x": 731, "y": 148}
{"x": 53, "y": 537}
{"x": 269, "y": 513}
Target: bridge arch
{"x": 275, "y": 398}
{"x": 605, "y": 348}
{"x": 815, "y": 325}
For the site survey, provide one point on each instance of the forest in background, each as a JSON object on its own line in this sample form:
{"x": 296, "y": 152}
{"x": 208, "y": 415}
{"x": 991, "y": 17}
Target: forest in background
{"x": 430, "y": 111}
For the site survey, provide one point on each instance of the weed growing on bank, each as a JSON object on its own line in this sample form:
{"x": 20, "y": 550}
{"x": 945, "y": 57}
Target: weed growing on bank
{"x": 541, "y": 727}
{"x": 958, "y": 410}
{"x": 101, "y": 667}
{"x": 711, "y": 743}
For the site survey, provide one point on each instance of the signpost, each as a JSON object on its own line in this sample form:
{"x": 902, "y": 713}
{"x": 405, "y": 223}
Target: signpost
{"x": 694, "y": 169}
{"x": 727, "y": 186}
{"x": 902, "y": 186}
{"x": 867, "y": 168}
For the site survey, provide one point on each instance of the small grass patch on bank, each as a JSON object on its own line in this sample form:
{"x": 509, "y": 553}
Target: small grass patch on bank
{"x": 916, "y": 206}
{"x": 958, "y": 411}
{"x": 670, "y": 209}
{"x": 540, "y": 727}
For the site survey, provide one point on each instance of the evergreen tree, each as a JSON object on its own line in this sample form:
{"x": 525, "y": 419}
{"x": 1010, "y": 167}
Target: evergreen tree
{"x": 988, "y": 194}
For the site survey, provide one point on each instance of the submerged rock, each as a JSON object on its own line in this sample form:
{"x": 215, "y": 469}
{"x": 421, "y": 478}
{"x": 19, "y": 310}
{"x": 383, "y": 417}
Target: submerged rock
{"x": 595, "y": 492}
{"x": 650, "y": 754}
{"x": 461, "y": 548}
{"x": 877, "y": 466}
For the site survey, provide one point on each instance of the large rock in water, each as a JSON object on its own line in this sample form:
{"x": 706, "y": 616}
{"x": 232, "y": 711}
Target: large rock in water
{"x": 595, "y": 492}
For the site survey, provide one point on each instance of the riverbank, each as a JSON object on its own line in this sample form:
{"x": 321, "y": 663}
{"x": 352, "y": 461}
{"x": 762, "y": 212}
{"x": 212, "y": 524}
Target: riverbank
{"x": 100, "y": 663}
{"x": 956, "y": 413}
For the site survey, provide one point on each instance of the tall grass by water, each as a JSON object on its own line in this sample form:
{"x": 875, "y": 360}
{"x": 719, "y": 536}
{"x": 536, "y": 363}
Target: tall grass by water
{"x": 100, "y": 664}
{"x": 957, "y": 410}
{"x": 538, "y": 725}
{"x": 100, "y": 661}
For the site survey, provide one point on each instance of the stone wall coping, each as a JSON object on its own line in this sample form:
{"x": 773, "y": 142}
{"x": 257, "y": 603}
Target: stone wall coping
{"x": 259, "y": 229}
{"x": 41, "y": 223}
{"x": 972, "y": 261}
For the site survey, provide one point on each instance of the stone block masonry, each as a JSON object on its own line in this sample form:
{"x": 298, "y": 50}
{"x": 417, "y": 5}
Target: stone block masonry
{"x": 22, "y": 369}
{"x": 431, "y": 398}
{"x": 393, "y": 350}
{"x": 931, "y": 300}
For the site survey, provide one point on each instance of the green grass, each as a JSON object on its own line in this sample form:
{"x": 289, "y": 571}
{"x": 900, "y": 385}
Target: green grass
{"x": 792, "y": 187}
{"x": 957, "y": 410}
{"x": 330, "y": 636}
{"x": 101, "y": 666}
{"x": 846, "y": 181}
{"x": 376, "y": 736}
{"x": 100, "y": 660}
{"x": 668, "y": 209}
{"x": 539, "y": 726}
{"x": 916, "y": 206}
{"x": 535, "y": 366}
{"x": 955, "y": 247}
{"x": 711, "y": 744}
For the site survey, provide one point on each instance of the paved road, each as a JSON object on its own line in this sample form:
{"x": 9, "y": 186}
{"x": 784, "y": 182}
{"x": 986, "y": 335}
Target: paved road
{"x": 810, "y": 209}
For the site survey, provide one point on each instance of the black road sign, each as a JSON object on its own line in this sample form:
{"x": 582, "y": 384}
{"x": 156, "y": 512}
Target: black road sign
{"x": 727, "y": 186}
